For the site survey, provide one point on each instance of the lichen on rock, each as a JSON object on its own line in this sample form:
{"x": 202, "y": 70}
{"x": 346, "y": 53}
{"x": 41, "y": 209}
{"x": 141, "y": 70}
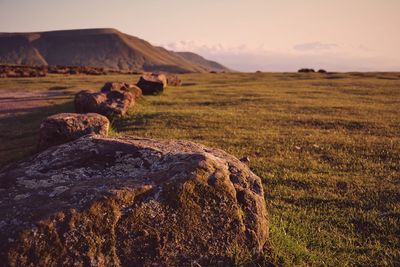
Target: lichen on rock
{"x": 130, "y": 201}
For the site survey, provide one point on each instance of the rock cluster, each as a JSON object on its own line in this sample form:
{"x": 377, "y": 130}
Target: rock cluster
{"x": 114, "y": 99}
{"x": 7, "y": 71}
{"x": 130, "y": 201}
{"x": 91, "y": 200}
{"x": 23, "y": 71}
{"x": 121, "y": 86}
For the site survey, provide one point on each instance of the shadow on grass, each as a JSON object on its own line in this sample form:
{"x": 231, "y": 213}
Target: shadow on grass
{"x": 137, "y": 121}
{"x": 19, "y": 132}
{"x": 188, "y": 84}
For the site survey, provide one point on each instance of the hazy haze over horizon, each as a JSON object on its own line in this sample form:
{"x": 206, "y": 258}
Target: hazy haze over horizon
{"x": 269, "y": 35}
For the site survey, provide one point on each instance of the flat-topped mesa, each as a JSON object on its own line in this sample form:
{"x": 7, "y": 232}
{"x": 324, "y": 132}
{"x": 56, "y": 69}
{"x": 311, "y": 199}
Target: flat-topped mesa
{"x": 130, "y": 201}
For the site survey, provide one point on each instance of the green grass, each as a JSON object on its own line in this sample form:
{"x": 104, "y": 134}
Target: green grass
{"x": 326, "y": 146}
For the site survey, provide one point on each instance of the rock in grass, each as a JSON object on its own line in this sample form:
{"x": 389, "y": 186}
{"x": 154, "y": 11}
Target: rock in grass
{"x": 173, "y": 79}
{"x": 152, "y": 84}
{"x": 121, "y": 86}
{"x": 112, "y": 86}
{"x": 110, "y": 104}
{"x": 130, "y": 202}
{"x": 65, "y": 127}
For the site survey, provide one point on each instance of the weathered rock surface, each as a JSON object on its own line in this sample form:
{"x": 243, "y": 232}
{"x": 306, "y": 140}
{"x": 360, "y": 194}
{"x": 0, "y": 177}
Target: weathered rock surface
{"x": 152, "y": 84}
{"x": 130, "y": 202}
{"x": 110, "y": 104}
{"x": 65, "y": 127}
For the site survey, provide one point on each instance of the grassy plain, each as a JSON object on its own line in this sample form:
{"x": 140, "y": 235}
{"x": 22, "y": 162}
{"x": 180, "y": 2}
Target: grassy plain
{"x": 326, "y": 146}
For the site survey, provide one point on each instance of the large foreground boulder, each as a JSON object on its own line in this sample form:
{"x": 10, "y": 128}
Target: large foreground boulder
{"x": 152, "y": 84}
{"x": 65, "y": 127}
{"x": 130, "y": 202}
{"x": 110, "y": 104}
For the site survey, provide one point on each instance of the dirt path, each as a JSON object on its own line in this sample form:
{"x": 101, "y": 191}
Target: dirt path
{"x": 21, "y": 101}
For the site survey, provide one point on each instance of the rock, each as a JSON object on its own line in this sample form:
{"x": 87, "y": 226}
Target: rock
{"x": 130, "y": 201}
{"x": 65, "y": 127}
{"x": 89, "y": 101}
{"x": 304, "y": 70}
{"x": 114, "y": 86}
{"x": 245, "y": 159}
{"x": 152, "y": 84}
{"x": 135, "y": 90}
{"x": 121, "y": 86}
{"x": 109, "y": 104}
{"x": 173, "y": 79}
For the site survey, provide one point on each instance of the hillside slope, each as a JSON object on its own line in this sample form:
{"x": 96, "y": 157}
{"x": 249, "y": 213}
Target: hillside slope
{"x": 201, "y": 61}
{"x": 107, "y": 48}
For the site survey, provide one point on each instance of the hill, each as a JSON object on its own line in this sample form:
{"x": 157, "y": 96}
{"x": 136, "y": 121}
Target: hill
{"x": 201, "y": 61}
{"x": 106, "y": 48}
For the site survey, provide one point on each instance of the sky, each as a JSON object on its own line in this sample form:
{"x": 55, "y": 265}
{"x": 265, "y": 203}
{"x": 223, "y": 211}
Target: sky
{"x": 245, "y": 35}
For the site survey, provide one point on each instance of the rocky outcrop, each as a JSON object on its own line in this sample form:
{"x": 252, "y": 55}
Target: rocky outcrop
{"x": 130, "y": 202}
{"x": 65, "y": 127}
{"x": 152, "y": 84}
{"x": 110, "y": 104}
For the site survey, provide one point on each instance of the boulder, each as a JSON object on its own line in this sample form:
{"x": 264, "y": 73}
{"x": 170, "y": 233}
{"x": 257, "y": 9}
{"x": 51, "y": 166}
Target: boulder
{"x": 135, "y": 90}
{"x": 89, "y": 101}
{"x": 65, "y": 127}
{"x": 130, "y": 201}
{"x": 114, "y": 86}
{"x": 173, "y": 80}
{"x": 109, "y": 104}
{"x": 305, "y": 70}
{"x": 152, "y": 84}
{"x": 121, "y": 86}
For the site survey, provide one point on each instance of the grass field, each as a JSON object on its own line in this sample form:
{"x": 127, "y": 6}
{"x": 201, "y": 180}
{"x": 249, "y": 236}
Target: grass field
{"x": 326, "y": 146}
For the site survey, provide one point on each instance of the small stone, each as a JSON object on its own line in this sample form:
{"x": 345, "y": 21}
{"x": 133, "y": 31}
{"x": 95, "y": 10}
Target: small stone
{"x": 245, "y": 159}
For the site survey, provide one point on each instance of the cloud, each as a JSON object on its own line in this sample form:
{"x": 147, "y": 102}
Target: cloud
{"x": 208, "y": 48}
{"x": 332, "y": 57}
{"x": 314, "y": 46}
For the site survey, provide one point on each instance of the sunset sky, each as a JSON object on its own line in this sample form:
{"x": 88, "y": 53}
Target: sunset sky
{"x": 270, "y": 35}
